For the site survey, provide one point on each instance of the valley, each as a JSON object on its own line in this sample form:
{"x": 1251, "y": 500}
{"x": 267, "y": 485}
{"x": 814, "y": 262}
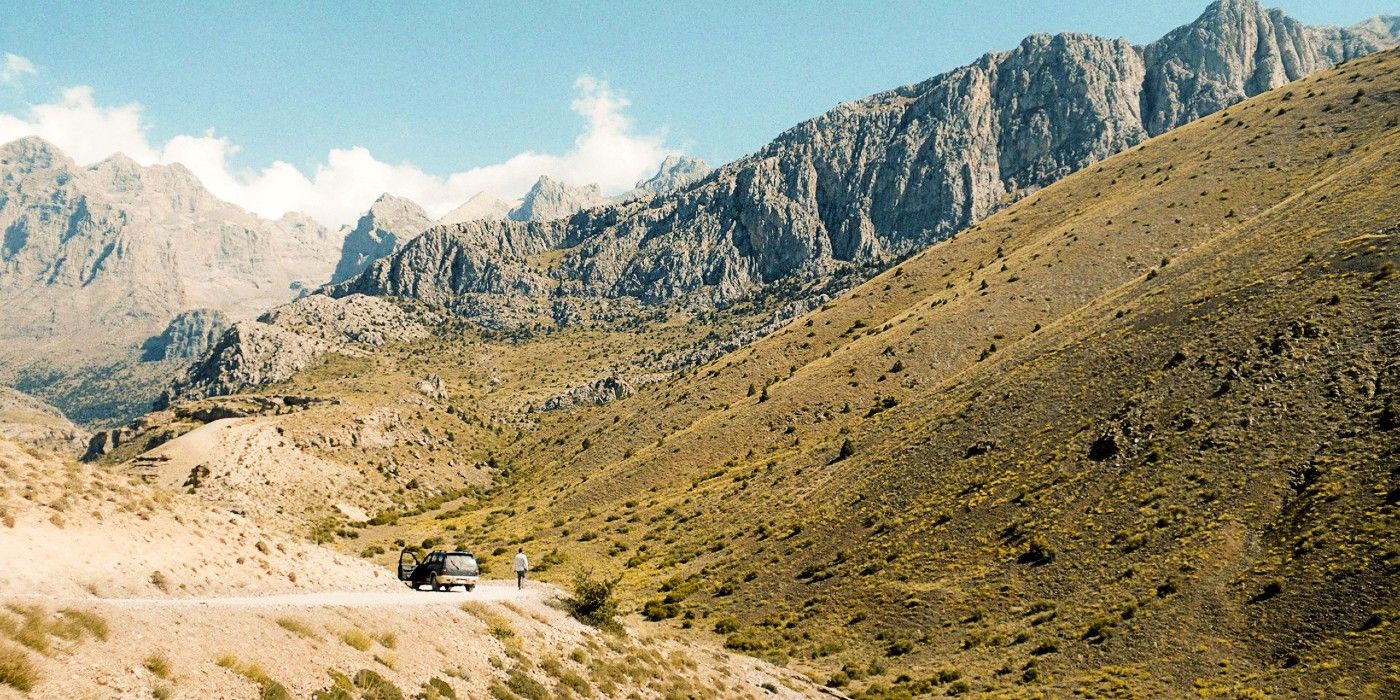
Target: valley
{"x": 1071, "y": 372}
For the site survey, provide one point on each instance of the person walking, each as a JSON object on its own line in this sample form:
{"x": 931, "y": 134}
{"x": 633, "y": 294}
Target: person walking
{"x": 522, "y": 564}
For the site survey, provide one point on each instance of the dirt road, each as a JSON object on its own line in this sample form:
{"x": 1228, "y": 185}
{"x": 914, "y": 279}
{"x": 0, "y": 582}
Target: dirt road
{"x": 487, "y": 592}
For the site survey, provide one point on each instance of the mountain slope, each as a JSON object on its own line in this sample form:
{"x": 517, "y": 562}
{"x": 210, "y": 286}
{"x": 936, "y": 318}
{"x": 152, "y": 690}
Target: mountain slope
{"x": 1131, "y": 427}
{"x": 96, "y": 260}
{"x": 27, "y": 420}
{"x": 1159, "y": 395}
{"x": 158, "y": 593}
{"x": 875, "y": 180}
{"x": 1132, "y": 434}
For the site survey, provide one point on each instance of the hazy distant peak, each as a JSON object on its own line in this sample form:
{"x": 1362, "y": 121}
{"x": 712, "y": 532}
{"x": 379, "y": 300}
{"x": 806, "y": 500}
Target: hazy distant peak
{"x": 552, "y": 199}
{"x": 394, "y": 206}
{"x": 1384, "y": 26}
{"x": 482, "y": 205}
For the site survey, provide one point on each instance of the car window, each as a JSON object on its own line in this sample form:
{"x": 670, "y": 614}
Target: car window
{"x": 461, "y": 564}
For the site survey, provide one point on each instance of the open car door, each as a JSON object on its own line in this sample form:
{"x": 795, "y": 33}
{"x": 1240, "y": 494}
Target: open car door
{"x": 408, "y": 561}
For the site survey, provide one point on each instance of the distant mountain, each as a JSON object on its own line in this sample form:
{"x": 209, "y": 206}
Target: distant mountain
{"x": 95, "y": 261}
{"x": 550, "y": 199}
{"x": 392, "y": 221}
{"x": 874, "y": 180}
{"x": 388, "y": 224}
{"x": 676, "y": 172}
{"x": 482, "y": 205}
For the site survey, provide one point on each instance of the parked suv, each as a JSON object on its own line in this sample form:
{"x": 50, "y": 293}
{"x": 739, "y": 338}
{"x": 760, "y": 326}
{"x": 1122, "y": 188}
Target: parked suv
{"x": 441, "y": 570}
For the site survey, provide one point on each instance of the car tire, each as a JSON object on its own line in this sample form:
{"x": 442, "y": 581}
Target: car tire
{"x": 469, "y": 588}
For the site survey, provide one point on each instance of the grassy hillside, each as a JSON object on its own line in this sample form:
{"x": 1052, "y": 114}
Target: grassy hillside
{"x": 1133, "y": 436}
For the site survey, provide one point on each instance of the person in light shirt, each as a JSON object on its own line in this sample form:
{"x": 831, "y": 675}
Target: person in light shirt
{"x": 522, "y": 564}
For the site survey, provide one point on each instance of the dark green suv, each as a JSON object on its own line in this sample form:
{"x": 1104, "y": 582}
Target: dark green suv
{"x": 441, "y": 570}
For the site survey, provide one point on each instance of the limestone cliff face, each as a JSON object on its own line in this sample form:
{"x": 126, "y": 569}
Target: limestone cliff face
{"x": 95, "y": 261}
{"x": 877, "y": 179}
{"x": 1238, "y": 49}
{"x": 187, "y": 336}
{"x": 390, "y": 222}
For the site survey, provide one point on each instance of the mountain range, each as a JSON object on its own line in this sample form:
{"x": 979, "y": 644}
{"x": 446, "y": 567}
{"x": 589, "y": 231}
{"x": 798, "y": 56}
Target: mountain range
{"x": 99, "y": 261}
{"x": 393, "y": 221}
{"x": 871, "y": 181}
{"x": 118, "y": 275}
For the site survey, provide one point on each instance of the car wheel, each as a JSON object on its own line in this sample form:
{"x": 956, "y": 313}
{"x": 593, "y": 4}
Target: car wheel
{"x": 469, "y": 588}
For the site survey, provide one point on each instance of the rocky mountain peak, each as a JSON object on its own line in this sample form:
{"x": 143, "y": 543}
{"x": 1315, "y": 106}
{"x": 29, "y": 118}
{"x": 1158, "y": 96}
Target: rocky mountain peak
{"x": 874, "y": 180}
{"x": 390, "y": 222}
{"x": 675, "y": 173}
{"x": 482, "y": 205}
{"x": 32, "y": 153}
{"x": 551, "y": 199}
{"x": 389, "y": 206}
{"x": 1380, "y": 25}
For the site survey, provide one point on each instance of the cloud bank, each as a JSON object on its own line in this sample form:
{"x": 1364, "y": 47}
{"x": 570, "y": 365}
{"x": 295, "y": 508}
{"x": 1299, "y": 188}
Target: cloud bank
{"x": 609, "y": 152}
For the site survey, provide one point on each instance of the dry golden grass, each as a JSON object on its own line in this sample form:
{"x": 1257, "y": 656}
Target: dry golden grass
{"x": 1134, "y": 424}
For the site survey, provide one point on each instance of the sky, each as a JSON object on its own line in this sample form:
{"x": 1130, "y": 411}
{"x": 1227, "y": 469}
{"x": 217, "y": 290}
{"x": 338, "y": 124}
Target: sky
{"x": 321, "y": 106}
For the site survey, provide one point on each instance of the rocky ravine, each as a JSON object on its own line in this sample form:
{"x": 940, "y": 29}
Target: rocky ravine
{"x": 874, "y": 180}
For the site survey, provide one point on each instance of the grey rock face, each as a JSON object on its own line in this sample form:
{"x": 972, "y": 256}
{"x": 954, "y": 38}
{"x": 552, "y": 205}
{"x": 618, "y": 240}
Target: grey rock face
{"x": 1237, "y": 49}
{"x": 551, "y": 199}
{"x": 433, "y": 387}
{"x": 187, "y": 336}
{"x": 388, "y": 224}
{"x": 595, "y": 393}
{"x": 289, "y": 339}
{"x": 874, "y": 180}
{"x": 95, "y": 260}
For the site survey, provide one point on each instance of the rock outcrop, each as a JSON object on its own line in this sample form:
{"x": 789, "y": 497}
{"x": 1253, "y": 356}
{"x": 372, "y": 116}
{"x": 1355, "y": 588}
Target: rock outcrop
{"x": 595, "y": 393}
{"x": 877, "y": 179}
{"x": 289, "y": 339}
{"x": 433, "y": 387}
{"x": 390, "y": 222}
{"x": 30, "y": 421}
{"x": 187, "y": 336}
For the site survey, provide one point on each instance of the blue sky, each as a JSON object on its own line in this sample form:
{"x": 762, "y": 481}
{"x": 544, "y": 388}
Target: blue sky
{"x": 451, "y": 86}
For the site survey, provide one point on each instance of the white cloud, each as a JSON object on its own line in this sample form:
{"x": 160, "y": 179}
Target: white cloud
{"x": 14, "y": 68}
{"x": 608, "y": 152}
